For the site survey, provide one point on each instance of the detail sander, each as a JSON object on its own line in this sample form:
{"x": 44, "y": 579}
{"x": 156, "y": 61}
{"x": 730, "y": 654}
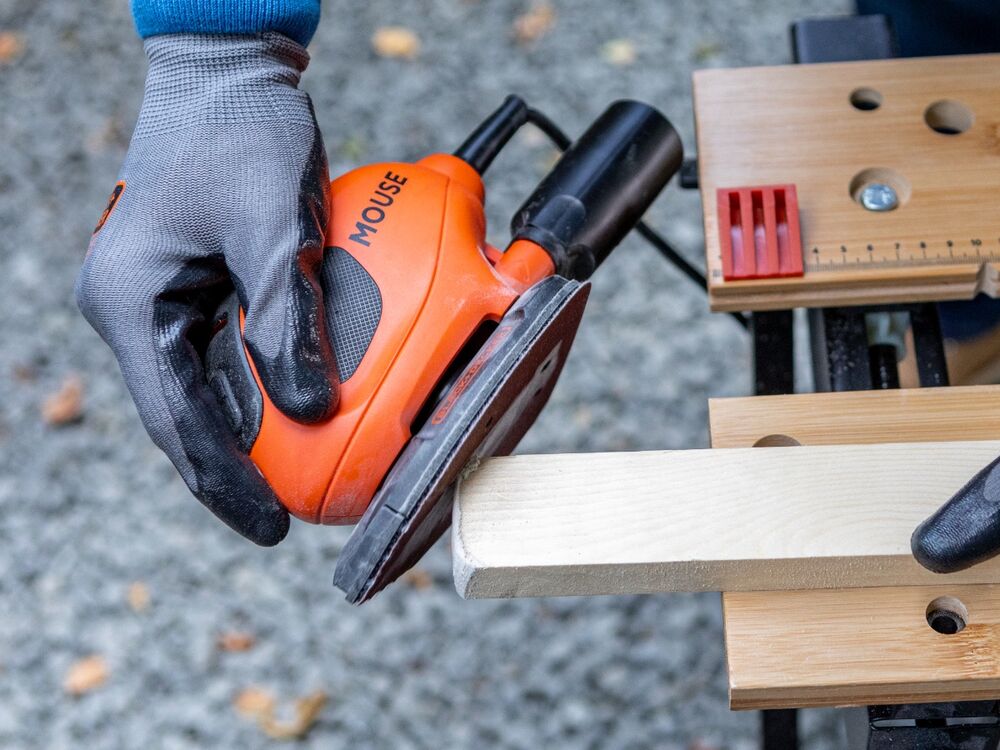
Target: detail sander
{"x": 446, "y": 348}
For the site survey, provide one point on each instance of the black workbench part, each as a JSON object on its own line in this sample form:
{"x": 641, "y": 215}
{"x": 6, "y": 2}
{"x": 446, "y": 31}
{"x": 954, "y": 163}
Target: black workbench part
{"x": 773, "y": 352}
{"x": 843, "y": 39}
{"x": 928, "y": 345}
{"x": 839, "y": 340}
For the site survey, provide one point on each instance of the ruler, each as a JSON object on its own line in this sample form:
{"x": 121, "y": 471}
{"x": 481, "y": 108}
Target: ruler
{"x": 933, "y": 135}
{"x": 902, "y": 254}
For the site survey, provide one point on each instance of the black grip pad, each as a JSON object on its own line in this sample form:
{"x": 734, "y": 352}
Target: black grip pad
{"x": 353, "y": 308}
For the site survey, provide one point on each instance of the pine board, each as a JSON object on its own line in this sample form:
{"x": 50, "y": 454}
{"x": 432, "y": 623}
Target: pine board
{"x": 741, "y": 519}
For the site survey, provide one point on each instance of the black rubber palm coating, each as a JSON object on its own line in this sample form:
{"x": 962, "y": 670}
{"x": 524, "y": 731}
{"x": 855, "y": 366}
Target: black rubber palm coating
{"x": 965, "y": 530}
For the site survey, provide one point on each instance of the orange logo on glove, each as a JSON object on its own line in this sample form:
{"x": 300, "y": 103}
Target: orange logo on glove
{"x": 112, "y": 202}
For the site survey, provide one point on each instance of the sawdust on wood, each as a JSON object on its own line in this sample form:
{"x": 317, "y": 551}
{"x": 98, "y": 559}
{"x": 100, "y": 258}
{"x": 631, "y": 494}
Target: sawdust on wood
{"x": 86, "y": 675}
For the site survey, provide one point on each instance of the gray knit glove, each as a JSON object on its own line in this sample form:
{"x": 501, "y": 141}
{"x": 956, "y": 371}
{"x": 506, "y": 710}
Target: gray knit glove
{"x": 225, "y": 184}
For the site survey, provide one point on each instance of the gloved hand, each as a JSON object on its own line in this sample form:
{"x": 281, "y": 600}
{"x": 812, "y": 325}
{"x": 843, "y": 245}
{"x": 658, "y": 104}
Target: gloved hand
{"x": 225, "y": 184}
{"x": 966, "y": 529}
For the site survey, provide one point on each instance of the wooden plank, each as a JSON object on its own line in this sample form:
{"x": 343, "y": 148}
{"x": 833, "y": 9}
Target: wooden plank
{"x": 796, "y": 124}
{"x": 910, "y": 415}
{"x": 706, "y": 520}
{"x": 859, "y": 646}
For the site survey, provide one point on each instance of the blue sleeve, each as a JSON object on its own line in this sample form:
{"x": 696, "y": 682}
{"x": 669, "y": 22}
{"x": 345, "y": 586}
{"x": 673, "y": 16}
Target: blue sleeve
{"x": 296, "y": 19}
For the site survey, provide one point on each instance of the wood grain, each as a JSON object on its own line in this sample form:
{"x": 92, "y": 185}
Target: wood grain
{"x": 859, "y": 647}
{"x": 706, "y": 520}
{"x": 910, "y": 415}
{"x": 795, "y": 124}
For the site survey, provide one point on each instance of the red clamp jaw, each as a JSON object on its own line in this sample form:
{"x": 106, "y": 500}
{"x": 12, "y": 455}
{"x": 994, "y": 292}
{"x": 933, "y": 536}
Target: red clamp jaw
{"x": 759, "y": 232}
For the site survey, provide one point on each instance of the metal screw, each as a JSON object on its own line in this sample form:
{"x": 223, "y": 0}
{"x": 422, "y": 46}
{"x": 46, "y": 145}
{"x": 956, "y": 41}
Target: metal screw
{"x": 877, "y": 196}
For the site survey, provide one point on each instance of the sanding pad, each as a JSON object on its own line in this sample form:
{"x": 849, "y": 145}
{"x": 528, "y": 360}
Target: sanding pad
{"x": 485, "y": 413}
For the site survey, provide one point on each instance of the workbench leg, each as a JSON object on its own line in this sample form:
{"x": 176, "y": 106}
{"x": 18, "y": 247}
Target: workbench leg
{"x": 780, "y": 729}
{"x": 773, "y": 352}
{"x": 839, "y": 337}
{"x": 773, "y": 371}
{"x": 928, "y": 346}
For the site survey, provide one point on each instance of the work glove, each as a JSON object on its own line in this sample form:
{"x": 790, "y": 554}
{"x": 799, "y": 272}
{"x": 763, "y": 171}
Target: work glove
{"x": 966, "y": 529}
{"x": 225, "y": 185}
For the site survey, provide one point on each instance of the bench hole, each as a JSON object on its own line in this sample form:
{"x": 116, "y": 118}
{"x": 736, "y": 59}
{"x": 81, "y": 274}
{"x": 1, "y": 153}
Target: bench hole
{"x": 865, "y": 99}
{"x": 777, "y": 441}
{"x": 880, "y": 176}
{"x": 948, "y": 117}
{"x": 947, "y": 615}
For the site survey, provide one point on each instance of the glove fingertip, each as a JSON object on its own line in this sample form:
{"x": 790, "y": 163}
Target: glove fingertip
{"x": 267, "y": 532}
{"x": 236, "y": 493}
{"x": 937, "y": 549}
{"x": 305, "y": 393}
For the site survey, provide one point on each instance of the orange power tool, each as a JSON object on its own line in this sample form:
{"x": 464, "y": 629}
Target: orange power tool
{"x": 446, "y": 348}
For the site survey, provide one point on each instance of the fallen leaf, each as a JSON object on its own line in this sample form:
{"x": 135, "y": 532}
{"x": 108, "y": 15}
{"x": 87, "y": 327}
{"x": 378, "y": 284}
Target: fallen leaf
{"x": 307, "y": 711}
{"x": 25, "y": 373}
{"x": 109, "y": 133}
{"x": 236, "y": 641}
{"x": 11, "y": 46}
{"x": 706, "y": 51}
{"x": 701, "y": 745}
{"x": 254, "y": 703}
{"x": 533, "y": 137}
{"x": 418, "y": 579}
{"x": 353, "y": 149}
{"x": 396, "y": 42}
{"x": 533, "y": 25}
{"x": 620, "y": 52}
{"x": 138, "y": 596}
{"x": 86, "y": 675}
{"x": 65, "y": 405}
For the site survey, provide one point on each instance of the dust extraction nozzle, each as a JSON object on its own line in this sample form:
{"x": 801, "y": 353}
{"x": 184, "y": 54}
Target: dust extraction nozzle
{"x": 601, "y": 187}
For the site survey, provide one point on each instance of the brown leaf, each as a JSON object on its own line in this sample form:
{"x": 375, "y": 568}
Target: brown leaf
{"x": 236, "y": 641}
{"x": 138, "y": 596}
{"x": 25, "y": 373}
{"x": 620, "y": 52}
{"x": 396, "y": 41}
{"x": 307, "y": 712}
{"x": 65, "y": 406}
{"x": 418, "y": 579}
{"x": 254, "y": 703}
{"x": 705, "y": 51}
{"x": 533, "y": 25}
{"x": 86, "y": 675}
{"x": 11, "y": 46}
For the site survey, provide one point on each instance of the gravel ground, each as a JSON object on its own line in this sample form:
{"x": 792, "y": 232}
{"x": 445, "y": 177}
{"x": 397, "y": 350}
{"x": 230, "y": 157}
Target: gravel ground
{"x": 92, "y": 507}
